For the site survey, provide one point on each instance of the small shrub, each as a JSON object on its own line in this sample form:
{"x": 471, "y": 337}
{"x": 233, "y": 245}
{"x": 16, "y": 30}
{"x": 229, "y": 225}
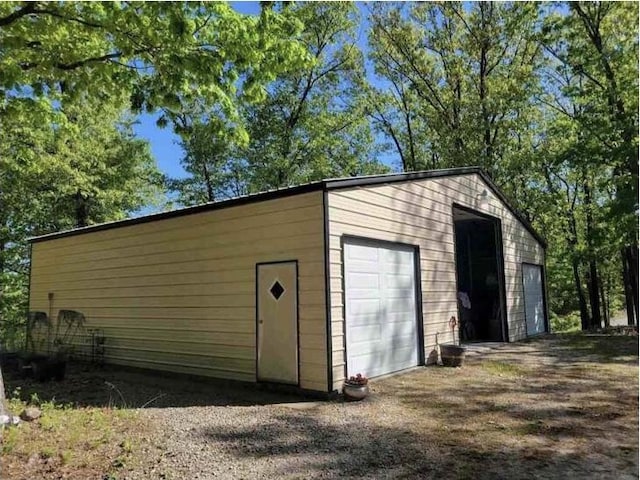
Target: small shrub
{"x": 566, "y": 323}
{"x": 9, "y": 440}
{"x": 35, "y": 400}
{"x": 16, "y": 394}
{"x": 127, "y": 446}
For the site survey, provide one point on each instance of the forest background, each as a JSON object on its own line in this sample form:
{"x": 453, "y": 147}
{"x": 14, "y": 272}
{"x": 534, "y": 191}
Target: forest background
{"x": 112, "y": 110}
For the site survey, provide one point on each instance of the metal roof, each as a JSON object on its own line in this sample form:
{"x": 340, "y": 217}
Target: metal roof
{"x": 324, "y": 185}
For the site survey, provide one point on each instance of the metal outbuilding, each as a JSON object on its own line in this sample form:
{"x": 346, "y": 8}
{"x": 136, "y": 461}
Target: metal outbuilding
{"x": 304, "y": 285}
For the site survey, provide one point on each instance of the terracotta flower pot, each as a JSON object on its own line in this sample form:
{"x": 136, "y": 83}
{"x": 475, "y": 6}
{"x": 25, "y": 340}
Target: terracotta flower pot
{"x": 452, "y": 355}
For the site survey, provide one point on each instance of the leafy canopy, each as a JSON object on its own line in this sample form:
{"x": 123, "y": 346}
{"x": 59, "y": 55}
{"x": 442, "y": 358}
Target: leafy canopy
{"x": 162, "y": 54}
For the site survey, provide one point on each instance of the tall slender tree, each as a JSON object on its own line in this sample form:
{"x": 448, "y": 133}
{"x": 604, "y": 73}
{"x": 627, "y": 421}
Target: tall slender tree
{"x": 464, "y": 73}
{"x": 591, "y": 87}
{"x": 312, "y": 124}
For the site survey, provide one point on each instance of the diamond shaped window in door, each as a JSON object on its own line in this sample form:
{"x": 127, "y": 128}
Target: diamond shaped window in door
{"x": 276, "y": 290}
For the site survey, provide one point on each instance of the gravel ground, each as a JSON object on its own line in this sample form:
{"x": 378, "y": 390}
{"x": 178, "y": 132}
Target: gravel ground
{"x": 545, "y": 407}
{"x": 556, "y": 408}
{"x": 299, "y": 440}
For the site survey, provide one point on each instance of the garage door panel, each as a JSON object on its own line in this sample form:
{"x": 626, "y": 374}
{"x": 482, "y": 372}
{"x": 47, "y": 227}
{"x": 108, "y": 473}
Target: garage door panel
{"x": 399, "y": 317}
{"x": 398, "y": 257}
{"x": 381, "y": 356}
{"x": 366, "y": 333}
{"x": 363, "y": 306}
{"x": 403, "y": 271}
{"x": 400, "y": 329}
{"x": 361, "y": 252}
{"x": 363, "y": 280}
{"x": 369, "y": 319}
{"x": 359, "y": 266}
{"x": 381, "y": 362}
{"x": 381, "y": 322}
{"x": 401, "y": 305}
{"x": 364, "y": 294}
{"x": 401, "y": 293}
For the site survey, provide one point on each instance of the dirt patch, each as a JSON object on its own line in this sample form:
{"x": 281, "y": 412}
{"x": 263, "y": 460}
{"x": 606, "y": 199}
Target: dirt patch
{"x": 556, "y": 407}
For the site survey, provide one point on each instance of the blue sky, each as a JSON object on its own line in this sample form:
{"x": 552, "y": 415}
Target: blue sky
{"x": 164, "y": 143}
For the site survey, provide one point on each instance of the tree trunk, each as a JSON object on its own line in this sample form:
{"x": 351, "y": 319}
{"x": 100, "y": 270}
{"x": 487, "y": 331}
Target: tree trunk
{"x": 626, "y": 282}
{"x": 407, "y": 120}
{"x": 208, "y": 183}
{"x": 584, "y": 313}
{"x": 82, "y": 211}
{"x": 3, "y": 406}
{"x": 633, "y": 262}
{"x": 605, "y": 304}
{"x": 630, "y": 280}
{"x": 594, "y": 294}
{"x": 592, "y": 277}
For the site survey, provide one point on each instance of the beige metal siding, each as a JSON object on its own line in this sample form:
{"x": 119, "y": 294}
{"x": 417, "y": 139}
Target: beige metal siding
{"x": 179, "y": 294}
{"x": 420, "y": 213}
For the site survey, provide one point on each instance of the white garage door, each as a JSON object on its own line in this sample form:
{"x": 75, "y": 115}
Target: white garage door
{"x": 533, "y": 298}
{"x": 380, "y": 295}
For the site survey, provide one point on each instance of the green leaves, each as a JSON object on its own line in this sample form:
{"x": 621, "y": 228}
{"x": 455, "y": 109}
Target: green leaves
{"x": 460, "y": 80}
{"x": 310, "y": 124}
{"x": 163, "y": 54}
{"x": 60, "y": 169}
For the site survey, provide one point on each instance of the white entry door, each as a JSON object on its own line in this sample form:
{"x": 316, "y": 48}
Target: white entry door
{"x": 277, "y": 328}
{"x": 533, "y": 298}
{"x": 380, "y": 307}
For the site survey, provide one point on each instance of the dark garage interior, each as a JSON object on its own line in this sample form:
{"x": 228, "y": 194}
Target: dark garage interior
{"x": 480, "y": 277}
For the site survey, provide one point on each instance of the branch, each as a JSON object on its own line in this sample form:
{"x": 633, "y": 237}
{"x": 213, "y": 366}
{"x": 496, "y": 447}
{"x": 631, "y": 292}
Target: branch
{"x": 86, "y": 61}
{"x": 24, "y": 11}
{"x": 53, "y": 13}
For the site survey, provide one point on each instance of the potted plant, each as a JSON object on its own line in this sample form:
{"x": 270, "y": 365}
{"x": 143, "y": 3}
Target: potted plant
{"x": 356, "y": 387}
{"x": 452, "y": 355}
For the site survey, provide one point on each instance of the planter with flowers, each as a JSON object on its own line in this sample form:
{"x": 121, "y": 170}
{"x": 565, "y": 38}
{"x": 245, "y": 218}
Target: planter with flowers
{"x": 356, "y": 387}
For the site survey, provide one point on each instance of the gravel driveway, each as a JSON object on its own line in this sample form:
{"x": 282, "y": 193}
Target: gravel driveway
{"x": 556, "y": 408}
{"x": 547, "y": 407}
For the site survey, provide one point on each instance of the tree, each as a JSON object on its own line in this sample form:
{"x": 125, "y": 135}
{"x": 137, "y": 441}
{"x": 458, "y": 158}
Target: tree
{"x": 312, "y": 124}
{"x": 161, "y": 54}
{"x": 464, "y": 74}
{"x": 86, "y": 169}
{"x": 212, "y": 161}
{"x": 592, "y": 90}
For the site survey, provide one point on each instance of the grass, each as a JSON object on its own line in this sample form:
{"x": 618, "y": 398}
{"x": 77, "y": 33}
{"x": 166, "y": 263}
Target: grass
{"x": 503, "y": 369}
{"x": 562, "y": 406}
{"x": 82, "y": 442}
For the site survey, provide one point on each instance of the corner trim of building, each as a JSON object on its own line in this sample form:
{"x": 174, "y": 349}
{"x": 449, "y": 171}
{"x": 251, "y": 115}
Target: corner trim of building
{"x": 327, "y": 290}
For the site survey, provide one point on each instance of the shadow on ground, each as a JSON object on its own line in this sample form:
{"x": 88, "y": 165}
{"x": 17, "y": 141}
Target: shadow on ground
{"x": 555, "y": 407}
{"x": 373, "y": 451}
{"x": 89, "y": 385}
